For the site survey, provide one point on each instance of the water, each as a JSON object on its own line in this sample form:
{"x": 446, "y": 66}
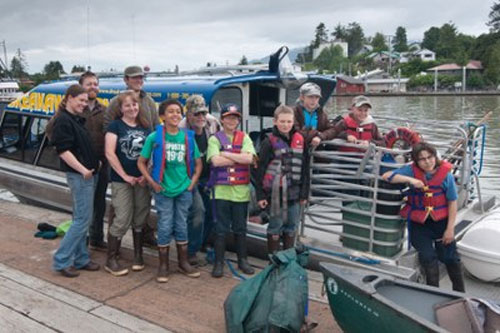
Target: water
{"x": 449, "y": 108}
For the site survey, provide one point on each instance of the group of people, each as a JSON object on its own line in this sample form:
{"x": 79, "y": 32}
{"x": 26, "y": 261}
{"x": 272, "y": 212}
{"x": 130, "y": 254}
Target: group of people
{"x": 198, "y": 169}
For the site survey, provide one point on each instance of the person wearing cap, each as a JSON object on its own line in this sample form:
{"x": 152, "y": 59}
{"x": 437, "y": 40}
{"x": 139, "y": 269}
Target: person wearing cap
{"x": 230, "y": 153}
{"x": 358, "y": 126}
{"x": 134, "y": 80}
{"x": 310, "y": 118}
{"x": 200, "y": 221}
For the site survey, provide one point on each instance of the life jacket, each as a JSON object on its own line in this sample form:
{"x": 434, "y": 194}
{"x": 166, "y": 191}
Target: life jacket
{"x": 159, "y": 153}
{"x": 237, "y": 174}
{"x": 431, "y": 200}
{"x": 285, "y": 169}
{"x": 361, "y": 132}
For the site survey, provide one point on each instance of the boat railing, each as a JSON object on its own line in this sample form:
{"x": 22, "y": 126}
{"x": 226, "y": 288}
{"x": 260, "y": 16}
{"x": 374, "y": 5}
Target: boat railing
{"x": 352, "y": 206}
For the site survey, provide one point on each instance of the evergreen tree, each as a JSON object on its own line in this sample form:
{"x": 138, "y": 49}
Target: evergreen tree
{"x": 320, "y": 35}
{"x": 494, "y": 22}
{"x": 378, "y": 43}
{"x": 355, "y": 38}
{"x": 447, "y": 46}
{"x": 18, "y": 65}
{"x": 53, "y": 70}
{"x": 431, "y": 39}
{"x": 77, "y": 69}
{"x": 339, "y": 32}
{"x": 400, "y": 40}
{"x": 243, "y": 61}
{"x": 492, "y": 63}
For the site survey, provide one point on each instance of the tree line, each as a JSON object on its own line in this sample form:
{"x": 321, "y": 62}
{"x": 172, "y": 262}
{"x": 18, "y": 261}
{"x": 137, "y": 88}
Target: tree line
{"x": 449, "y": 45}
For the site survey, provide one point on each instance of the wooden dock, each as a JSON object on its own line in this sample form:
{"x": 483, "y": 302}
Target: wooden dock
{"x": 33, "y": 298}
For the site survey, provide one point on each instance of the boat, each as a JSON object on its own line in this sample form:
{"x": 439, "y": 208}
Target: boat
{"x": 9, "y": 91}
{"x": 354, "y": 223}
{"x": 480, "y": 248}
{"x": 362, "y": 301}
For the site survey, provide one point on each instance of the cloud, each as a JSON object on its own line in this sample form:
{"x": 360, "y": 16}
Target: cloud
{"x": 162, "y": 34}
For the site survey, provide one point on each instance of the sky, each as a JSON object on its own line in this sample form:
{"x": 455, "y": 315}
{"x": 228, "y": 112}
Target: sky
{"x": 112, "y": 34}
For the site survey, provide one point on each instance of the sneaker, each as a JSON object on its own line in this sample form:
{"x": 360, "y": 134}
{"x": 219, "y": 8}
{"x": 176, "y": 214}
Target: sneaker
{"x": 91, "y": 266}
{"x": 69, "y": 272}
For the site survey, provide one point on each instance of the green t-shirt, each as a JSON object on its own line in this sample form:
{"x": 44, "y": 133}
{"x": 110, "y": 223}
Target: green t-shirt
{"x": 175, "y": 179}
{"x": 236, "y": 193}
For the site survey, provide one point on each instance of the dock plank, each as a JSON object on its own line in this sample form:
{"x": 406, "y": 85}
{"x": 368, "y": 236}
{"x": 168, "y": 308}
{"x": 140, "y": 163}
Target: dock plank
{"x": 11, "y": 321}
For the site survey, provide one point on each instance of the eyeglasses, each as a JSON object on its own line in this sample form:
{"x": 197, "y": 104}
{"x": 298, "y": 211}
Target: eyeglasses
{"x": 425, "y": 158}
{"x": 203, "y": 113}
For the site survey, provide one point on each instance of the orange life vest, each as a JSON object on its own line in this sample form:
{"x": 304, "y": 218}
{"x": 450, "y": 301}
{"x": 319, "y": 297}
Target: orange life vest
{"x": 431, "y": 200}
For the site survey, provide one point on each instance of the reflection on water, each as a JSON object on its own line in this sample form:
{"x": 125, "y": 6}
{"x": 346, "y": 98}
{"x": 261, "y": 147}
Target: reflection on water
{"x": 449, "y": 108}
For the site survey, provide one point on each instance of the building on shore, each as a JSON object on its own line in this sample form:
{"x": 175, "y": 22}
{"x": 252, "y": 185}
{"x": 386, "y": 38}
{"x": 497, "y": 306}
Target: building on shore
{"x": 349, "y": 85}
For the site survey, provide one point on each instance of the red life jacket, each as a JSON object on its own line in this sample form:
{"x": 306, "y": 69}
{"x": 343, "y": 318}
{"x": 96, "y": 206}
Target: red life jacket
{"x": 363, "y": 132}
{"x": 286, "y": 164}
{"x": 237, "y": 174}
{"x": 431, "y": 200}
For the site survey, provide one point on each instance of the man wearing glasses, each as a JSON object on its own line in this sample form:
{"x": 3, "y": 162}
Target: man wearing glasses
{"x": 200, "y": 221}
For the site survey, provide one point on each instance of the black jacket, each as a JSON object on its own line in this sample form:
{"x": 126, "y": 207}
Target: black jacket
{"x": 266, "y": 155}
{"x": 69, "y": 133}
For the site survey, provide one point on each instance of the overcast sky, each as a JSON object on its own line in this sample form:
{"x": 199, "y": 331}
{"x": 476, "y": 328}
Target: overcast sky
{"x": 116, "y": 33}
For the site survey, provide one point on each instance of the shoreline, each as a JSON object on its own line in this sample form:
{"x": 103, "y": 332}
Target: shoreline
{"x": 418, "y": 94}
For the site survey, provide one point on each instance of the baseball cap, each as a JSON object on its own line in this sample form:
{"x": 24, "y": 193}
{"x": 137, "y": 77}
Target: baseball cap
{"x": 196, "y": 104}
{"x": 230, "y": 109}
{"x": 310, "y": 89}
{"x": 361, "y": 100}
{"x": 132, "y": 71}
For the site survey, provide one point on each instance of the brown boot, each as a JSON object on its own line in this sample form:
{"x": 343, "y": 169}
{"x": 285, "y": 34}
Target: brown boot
{"x": 163, "y": 252}
{"x": 184, "y": 266}
{"x": 138, "y": 264}
{"x": 273, "y": 243}
{"x": 112, "y": 264}
{"x": 288, "y": 241}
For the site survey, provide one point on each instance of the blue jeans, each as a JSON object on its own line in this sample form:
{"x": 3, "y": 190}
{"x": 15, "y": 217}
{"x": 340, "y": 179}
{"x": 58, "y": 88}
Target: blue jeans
{"x": 425, "y": 238}
{"x": 195, "y": 222}
{"x": 276, "y": 224}
{"x": 73, "y": 250}
{"x": 172, "y": 217}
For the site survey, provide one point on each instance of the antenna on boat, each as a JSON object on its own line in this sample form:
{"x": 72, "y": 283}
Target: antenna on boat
{"x": 88, "y": 33}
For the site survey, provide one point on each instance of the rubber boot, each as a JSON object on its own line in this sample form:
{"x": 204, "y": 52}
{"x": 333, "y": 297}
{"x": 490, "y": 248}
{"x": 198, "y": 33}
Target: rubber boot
{"x": 220, "y": 248}
{"x": 456, "y": 274}
{"x": 138, "y": 264}
{"x": 288, "y": 241}
{"x": 273, "y": 243}
{"x": 163, "y": 252}
{"x": 432, "y": 274}
{"x": 241, "y": 253}
{"x": 112, "y": 264}
{"x": 148, "y": 236}
{"x": 184, "y": 266}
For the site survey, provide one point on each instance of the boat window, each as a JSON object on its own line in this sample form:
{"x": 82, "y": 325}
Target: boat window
{"x": 225, "y": 96}
{"x": 21, "y": 136}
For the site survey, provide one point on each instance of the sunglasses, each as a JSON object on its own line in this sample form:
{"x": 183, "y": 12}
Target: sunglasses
{"x": 204, "y": 113}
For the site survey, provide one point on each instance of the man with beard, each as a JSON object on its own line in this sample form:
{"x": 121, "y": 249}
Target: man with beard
{"x": 134, "y": 79}
{"x": 94, "y": 121}
{"x": 200, "y": 221}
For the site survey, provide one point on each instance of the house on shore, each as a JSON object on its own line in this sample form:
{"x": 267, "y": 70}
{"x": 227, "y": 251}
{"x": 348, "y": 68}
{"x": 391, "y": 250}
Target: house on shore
{"x": 454, "y": 69}
{"x": 349, "y": 85}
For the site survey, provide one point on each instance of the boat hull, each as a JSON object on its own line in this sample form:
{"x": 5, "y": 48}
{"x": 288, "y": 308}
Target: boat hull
{"x": 362, "y": 301}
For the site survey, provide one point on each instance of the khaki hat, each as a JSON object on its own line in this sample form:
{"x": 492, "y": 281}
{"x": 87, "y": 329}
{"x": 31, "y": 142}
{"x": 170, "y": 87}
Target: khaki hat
{"x": 196, "y": 104}
{"x": 361, "y": 100}
{"x": 132, "y": 71}
{"x": 310, "y": 89}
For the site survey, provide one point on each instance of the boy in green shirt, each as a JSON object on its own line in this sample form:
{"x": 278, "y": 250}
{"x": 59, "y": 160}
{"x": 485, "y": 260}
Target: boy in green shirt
{"x": 176, "y": 169}
{"x": 230, "y": 153}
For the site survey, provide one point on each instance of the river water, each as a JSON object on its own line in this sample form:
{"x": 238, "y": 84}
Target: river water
{"x": 449, "y": 108}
